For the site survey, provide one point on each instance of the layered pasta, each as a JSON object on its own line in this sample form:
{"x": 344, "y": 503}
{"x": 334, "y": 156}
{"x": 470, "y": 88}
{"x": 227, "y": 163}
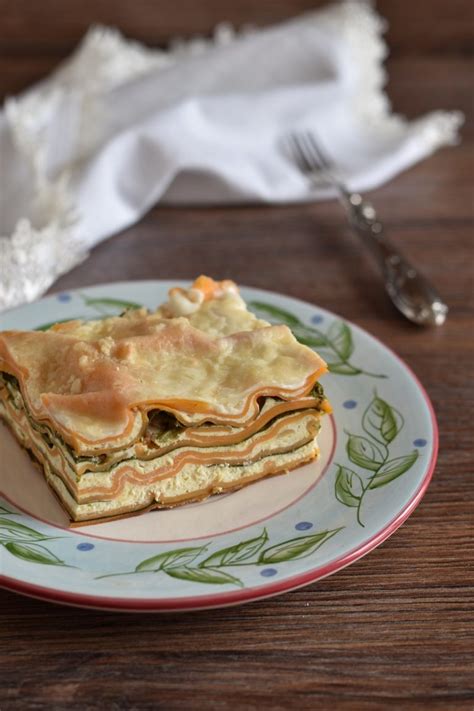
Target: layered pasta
{"x": 155, "y": 409}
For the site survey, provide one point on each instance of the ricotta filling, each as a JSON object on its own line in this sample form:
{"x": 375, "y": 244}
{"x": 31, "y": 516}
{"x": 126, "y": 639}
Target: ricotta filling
{"x": 111, "y": 484}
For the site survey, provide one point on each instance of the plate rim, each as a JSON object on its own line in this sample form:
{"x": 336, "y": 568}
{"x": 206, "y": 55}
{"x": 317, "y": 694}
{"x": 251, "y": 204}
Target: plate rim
{"x": 235, "y": 597}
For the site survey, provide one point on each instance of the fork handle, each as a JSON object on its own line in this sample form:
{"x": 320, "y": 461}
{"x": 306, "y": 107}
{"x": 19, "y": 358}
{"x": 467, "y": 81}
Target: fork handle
{"x": 409, "y": 290}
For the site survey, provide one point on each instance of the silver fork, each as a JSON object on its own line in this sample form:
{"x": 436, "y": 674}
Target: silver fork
{"x": 409, "y": 290}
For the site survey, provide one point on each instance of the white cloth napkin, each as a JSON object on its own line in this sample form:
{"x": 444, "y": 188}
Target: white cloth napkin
{"x": 119, "y": 127}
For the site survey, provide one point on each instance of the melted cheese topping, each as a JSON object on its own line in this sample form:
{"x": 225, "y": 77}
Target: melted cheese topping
{"x": 93, "y": 381}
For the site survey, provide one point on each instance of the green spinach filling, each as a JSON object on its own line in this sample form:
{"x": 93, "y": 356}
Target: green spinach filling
{"x": 163, "y": 427}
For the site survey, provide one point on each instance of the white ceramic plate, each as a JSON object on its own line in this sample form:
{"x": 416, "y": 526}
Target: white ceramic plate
{"x": 378, "y": 453}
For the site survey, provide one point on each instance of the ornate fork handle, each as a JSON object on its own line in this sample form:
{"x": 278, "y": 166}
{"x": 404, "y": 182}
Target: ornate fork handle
{"x": 411, "y": 293}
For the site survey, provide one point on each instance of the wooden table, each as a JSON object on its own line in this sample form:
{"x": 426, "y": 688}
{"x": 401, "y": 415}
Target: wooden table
{"x": 395, "y": 630}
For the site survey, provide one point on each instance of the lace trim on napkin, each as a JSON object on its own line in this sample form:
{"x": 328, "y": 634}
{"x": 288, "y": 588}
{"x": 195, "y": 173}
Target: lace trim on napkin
{"x": 47, "y": 244}
{"x": 42, "y": 248}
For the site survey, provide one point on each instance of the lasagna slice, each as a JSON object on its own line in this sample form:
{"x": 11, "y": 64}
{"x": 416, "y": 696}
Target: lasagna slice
{"x": 151, "y": 410}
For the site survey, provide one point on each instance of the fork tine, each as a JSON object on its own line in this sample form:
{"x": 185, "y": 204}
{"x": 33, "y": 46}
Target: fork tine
{"x": 316, "y": 156}
{"x": 311, "y": 155}
{"x": 300, "y": 153}
{"x": 317, "y": 151}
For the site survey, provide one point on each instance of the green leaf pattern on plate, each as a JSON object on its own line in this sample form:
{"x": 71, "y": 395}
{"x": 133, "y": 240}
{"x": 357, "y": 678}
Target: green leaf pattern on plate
{"x": 349, "y": 486}
{"x": 210, "y": 576}
{"x": 340, "y": 336}
{"x": 392, "y": 469}
{"x": 364, "y": 453}
{"x": 237, "y": 554}
{"x": 33, "y": 553}
{"x": 104, "y": 307}
{"x": 296, "y": 547}
{"x": 23, "y": 542}
{"x": 168, "y": 560}
{"x": 336, "y": 346}
{"x": 382, "y": 423}
{"x": 181, "y": 563}
{"x": 12, "y": 530}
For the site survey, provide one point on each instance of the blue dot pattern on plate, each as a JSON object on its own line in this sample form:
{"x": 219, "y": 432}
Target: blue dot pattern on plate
{"x": 268, "y": 572}
{"x": 85, "y": 546}
{"x": 317, "y": 318}
{"x": 303, "y": 525}
{"x": 420, "y": 442}
{"x": 349, "y": 404}
{"x": 64, "y": 297}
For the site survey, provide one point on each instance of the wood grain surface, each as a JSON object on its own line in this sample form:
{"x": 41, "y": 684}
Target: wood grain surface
{"x": 395, "y": 630}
